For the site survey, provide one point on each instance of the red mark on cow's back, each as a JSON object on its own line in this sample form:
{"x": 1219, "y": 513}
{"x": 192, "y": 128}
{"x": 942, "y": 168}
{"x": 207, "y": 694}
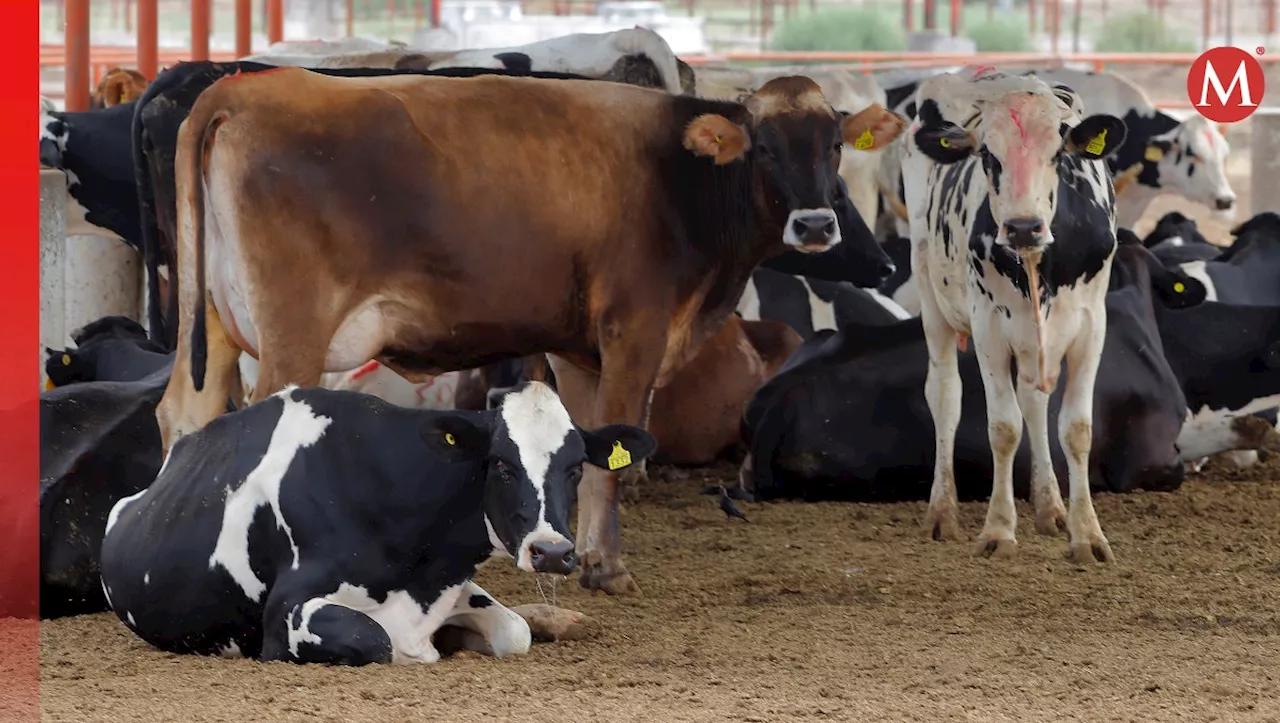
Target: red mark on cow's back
{"x": 365, "y": 369}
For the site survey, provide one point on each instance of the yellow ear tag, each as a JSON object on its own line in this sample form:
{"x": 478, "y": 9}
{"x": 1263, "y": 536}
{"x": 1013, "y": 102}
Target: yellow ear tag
{"x": 865, "y": 141}
{"x": 1179, "y": 287}
{"x": 718, "y": 139}
{"x": 448, "y": 438}
{"x": 48, "y": 384}
{"x": 944, "y": 142}
{"x": 1153, "y": 154}
{"x": 66, "y": 360}
{"x": 619, "y": 457}
{"x": 1098, "y": 143}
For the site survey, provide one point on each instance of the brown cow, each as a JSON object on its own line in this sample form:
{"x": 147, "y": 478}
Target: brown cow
{"x": 119, "y": 85}
{"x": 439, "y": 223}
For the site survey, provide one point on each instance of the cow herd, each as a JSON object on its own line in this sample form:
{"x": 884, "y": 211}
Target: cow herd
{"x": 396, "y": 300}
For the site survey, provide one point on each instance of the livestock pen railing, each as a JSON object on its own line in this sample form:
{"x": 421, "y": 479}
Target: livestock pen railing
{"x": 103, "y": 58}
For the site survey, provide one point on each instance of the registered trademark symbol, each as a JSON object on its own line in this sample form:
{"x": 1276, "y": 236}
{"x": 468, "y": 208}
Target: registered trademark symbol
{"x": 1261, "y": 50}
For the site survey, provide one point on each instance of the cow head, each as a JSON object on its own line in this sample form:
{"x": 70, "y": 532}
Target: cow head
{"x": 1192, "y": 162}
{"x": 795, "y": 141}
{"x": 1021, "y": 129}
{"x": 534, "y": 455}
{"x": 63, "y": 367}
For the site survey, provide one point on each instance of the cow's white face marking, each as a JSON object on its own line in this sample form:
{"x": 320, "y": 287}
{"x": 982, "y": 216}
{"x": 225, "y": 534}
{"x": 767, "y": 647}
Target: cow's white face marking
{"x": 538, "y": 424}
{"x": 296, "y": 430}
{"x": 1195, "y": 166}
{"x": 1199, "y": 271}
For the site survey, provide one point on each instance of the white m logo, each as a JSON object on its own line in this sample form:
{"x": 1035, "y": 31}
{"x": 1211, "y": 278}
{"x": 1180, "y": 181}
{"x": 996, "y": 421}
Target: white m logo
{"x": 1241, "y": 78}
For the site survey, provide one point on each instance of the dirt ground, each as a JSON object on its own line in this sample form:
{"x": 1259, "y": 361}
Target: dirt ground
{"x": 808, "y": 612}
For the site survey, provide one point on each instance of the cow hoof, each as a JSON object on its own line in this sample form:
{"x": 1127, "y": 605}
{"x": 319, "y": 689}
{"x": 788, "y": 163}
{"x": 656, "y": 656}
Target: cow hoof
{"x": 550, "y": 624}
{"x": 610, "y": 579}
{"x": 998, "y": 548}
{"x": 1051, "y": 521}
{"x": 1096, "y": 550}
{"x": 942, "y": 525}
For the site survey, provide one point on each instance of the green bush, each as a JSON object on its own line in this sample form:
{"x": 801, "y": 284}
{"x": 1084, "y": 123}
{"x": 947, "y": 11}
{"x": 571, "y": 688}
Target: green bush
{"x": 859, "y": 28}
{"x": 1140, "y": 32}
{"x": 1000, "y": 34}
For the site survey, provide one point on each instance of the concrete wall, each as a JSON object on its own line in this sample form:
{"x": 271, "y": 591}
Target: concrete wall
{"x": 53, "y": 232}
{"x": 1264, "y": 156}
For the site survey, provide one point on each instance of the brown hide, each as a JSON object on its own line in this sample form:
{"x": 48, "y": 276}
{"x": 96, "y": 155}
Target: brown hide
{"x": 119, "y": 85}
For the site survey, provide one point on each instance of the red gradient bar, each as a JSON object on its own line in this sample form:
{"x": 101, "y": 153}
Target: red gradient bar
{"x": 19, "y": 370}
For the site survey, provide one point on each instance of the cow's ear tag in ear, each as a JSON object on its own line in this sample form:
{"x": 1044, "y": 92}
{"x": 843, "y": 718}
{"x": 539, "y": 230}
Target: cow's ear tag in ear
{"x": 1153, "y": 154}
{"x": 1179, "y": 287}
{"x": 944, "y": 142}
{"x": 66, "y": 360}
{"x": 619, "y": 457}
{"x": 865, "y": 141}
{"x": 449, "y": 440}
{"x": 1098, "y": 144}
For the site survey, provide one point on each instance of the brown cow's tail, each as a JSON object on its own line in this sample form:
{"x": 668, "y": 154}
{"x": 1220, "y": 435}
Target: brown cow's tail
{"x": 208, "y": 123}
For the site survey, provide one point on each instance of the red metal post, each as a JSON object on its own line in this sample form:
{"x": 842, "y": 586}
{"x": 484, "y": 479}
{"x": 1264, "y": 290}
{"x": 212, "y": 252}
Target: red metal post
{"x": 1271, "y": 18}
{"x": 435, "y": 12}
{"x": 955, "y": 17}
{"x": 1206, "y": 24}
{"x": 909, "y": 15}
{"x": 930, "y": 15}
{"x": 148, "y": 38}
{"x": 1057, "y": 25}
{"x": 128, "y": 16}
{"x": 199, "y": 29}
{"x": 351, "y": 18}
{"x": 244, "y": 28}
{"x": 76, "y": 41}
{"x": 275, "y": 21}
{"x": 1031, "y": 14}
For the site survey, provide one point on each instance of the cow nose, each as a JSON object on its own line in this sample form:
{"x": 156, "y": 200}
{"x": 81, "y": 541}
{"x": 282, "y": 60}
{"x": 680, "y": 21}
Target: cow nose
{"x": 886, "y": 269}
{"x": 1024, "y": 232}
{"x": 1225, "y": 203}
{"x": 1162, "y": 478}
{"x": 812, "y": 227}
{"x": 553, "y": 557}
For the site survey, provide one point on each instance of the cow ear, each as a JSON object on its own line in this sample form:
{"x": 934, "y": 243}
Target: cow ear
{"x": 1177, "y": 290}
{"x": 458, "y": 436}
{"x": 1097, "y": 136}
{"x": 617, "y": 446}
{"x": 717, "y": 137}
{"x": 945, "y": 142}
{"x": 871, "y": 128}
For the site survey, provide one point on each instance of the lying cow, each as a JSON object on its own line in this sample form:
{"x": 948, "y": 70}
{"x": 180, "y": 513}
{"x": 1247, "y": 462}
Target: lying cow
{"x": 332, "y": 527}
{"x": 1248, "y": 271}
{"x": 92, "y": 149}
{"x": 1013, "y": 231}
{"x": 848, "y": 417}
{"x": 113, "y": 348}
{"x": 812, "y": 305}
{"x": 631, "y": 226}
{"x": 98, "y": 443}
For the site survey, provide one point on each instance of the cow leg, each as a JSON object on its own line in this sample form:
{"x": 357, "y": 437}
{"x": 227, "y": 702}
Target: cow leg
{"x": 943, "y": 393}
{"x": 1075, "y": 431}
{"x": 1051, "y": 514}
{"x": 637, "y": 475}
{"x": 183, "y": 410}
{"x": 498, "y": 631}
{"x": 318, "y": 631}
{"x": 578, "y": 394}
{"x": 1004, "y": 432}
{"x": 626, "y": 380}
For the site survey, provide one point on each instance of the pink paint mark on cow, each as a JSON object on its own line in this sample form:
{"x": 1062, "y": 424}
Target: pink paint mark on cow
{"x": 981, "y": 70}
{"x": 366, "y": 369}
{"x": 1019, "y": 161}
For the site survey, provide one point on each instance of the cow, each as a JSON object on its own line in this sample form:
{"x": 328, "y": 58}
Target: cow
{"x": 637, "y": 218}
{"x": 1160, "y": 154}
{"x": 334, "y": 527}
{"x": 1176, "y": 239}
{"x": 812, "y": 305}
{"x": 92, "y": 149}
{"x": 112, "y": 348}
{"x": 1013, "y": 234}
{"x": 118, "y": 85}
{"x": 1248, "y": 271}
{"x": 98, "y": 443}
{"x": 849, "y": 418}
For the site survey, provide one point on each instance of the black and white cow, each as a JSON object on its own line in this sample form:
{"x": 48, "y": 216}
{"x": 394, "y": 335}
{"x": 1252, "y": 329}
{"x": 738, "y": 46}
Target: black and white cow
{"x": 92, "y": 148}
{"x": 1013, "y": 235}
{"x": 848, "y": 417}
{"x": 1248, "y": 271}
{"x": 330, "y": 526}
{"x": 812, "y": 305}
{"x": 1176, "y": 239}
{"x": 99, "y": 442}
{"x": 113, "y": 348}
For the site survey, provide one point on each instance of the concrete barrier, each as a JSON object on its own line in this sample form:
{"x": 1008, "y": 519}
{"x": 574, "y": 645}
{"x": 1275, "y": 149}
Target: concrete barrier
{"x": 53, "y": 236}
{"x": 1264, "y": 157}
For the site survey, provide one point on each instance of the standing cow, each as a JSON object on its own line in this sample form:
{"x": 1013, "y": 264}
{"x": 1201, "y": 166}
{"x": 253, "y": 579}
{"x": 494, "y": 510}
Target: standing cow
{"x": 618, "y": 239}
{"x": 1013, "y": 232}
{"x": 333, "y": 527}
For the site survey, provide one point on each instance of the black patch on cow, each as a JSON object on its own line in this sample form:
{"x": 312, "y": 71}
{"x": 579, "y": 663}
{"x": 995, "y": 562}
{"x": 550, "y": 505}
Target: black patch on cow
{"x": 480, "y": 601}
{"x": 515, "y": 62}
{"x": 97, "y": 152}
{"x": 895, "y": 96}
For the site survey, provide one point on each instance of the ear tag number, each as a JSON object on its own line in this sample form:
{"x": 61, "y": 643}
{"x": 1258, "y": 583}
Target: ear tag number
{"x": 619, "y": 457}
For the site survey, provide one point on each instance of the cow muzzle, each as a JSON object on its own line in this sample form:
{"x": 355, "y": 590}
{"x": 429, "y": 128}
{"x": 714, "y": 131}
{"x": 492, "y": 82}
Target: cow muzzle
{"x": 1024, "y": 233}
{"x": 1224, "y": 203}
{"x": 555, "y": 557}
{"x": 812, "y": 230}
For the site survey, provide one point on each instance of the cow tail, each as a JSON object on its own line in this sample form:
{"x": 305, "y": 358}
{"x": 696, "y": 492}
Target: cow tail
{"x": 194, "y": 181}
{"x": 156, "y": 328}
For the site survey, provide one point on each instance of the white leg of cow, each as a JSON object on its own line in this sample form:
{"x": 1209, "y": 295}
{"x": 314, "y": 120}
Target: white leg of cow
{"x": 943, "y": 392}
{"x": 1075, "y": 430}
{"x": 1051, "y": 514}
{"x": 500, "y": 631}
{"x": 1004, "y": 431}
